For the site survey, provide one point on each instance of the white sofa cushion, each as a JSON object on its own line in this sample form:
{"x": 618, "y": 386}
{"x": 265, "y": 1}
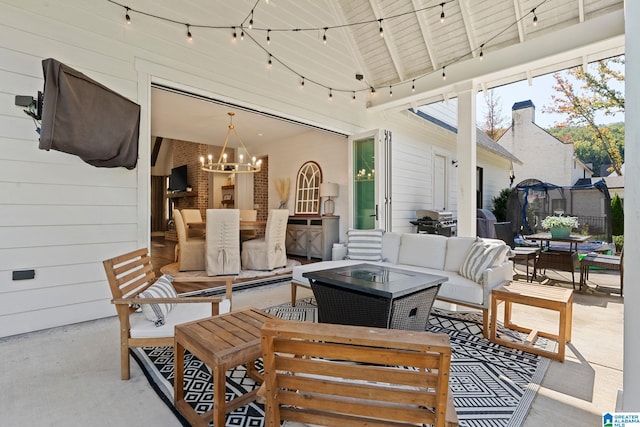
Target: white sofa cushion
{"x": 455, "y": 288}
{"x": 162, "y": 288}
{"x": 482, "y": 255}
{"x": 457, "y": 250}
{"x": 423, "y": 250}
{"x": 182, "y": 313}
{"x": 391, "y": 247}
{"x": 364, "y": 245}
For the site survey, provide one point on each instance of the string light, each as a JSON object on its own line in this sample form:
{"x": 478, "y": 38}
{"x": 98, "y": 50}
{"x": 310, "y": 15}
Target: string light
{"x": 302, "y": 79}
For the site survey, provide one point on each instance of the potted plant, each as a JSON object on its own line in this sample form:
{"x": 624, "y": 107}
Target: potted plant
{"x": 560, "y": 226}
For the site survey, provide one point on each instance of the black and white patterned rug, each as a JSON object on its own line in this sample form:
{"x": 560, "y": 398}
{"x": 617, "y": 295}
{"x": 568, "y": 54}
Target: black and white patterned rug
{"x": 493, "y": 386}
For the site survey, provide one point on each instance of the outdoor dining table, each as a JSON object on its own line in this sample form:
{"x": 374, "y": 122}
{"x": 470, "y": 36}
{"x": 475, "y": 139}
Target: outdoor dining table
{"x": 559, "y": 259}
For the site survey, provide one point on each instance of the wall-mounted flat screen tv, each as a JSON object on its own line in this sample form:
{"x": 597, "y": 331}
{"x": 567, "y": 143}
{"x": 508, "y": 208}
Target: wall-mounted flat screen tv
{"x": 83, "y": 117}
{"x": 178, "y": 179}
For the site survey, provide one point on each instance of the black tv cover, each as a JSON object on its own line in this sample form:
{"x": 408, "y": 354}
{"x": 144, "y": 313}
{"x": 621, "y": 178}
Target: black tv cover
{"x": 82, "y": 117}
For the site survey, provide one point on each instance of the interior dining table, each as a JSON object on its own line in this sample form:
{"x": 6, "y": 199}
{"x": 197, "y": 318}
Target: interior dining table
{"x": 244, "y": 225}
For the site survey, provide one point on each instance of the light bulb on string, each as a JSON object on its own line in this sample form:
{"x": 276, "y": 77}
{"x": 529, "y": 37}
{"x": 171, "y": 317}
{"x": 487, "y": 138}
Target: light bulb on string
{"x": 413, "y": 85}
{"x": 381, "y": 30}
{"x": 234, "y": 35}
{"x": 353, "y": 98}
{"x": 189, "y": 36}
{"x": 302, "y": 83}
{"x": 330, "y": 94}
{"x": 270, "y": 62}
{"x": 126, "y": 15}
{"x": 324, "y": 36}
{"x": 442, "y": 13}
{"x": 268, "y": 36}
{"x": 444, "y": 76}
{"x": 373, "y": 90}
{"x": 535, "y": 17}
{"x": 481, "y": 52}
{"x": 241, "y": 33}
{"x": 390, "y": 92}
{"x": 251, "y": 20}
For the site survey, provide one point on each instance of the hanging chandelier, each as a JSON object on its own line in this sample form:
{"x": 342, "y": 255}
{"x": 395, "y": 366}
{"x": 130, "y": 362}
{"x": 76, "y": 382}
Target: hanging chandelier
{"x": 222, "y": 166}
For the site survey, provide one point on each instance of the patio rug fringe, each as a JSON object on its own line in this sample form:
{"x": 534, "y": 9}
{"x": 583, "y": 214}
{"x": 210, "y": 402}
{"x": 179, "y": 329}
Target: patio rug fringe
{"x": 492, "y": 385}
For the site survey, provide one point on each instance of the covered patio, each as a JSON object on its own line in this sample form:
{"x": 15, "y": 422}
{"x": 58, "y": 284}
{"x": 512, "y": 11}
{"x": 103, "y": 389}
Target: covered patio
{"x": 68, "y": 372}
{"x": 78, "y": 374}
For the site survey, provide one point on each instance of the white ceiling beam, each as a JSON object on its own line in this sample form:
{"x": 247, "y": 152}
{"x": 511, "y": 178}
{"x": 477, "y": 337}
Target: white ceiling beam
{"x": 581, "y": 10}
{"x": 466, "y": 20}
{"x": 389, "y": 43}
{"x": 426, "y": 37}
{"x": 596, "y": 38}
{"x": 520, "y": 25}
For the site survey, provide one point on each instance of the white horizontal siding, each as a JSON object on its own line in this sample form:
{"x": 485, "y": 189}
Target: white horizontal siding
{"x": 58, "y": 215}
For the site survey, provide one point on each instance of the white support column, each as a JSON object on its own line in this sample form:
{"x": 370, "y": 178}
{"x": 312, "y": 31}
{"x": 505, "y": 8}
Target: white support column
{"x": 466, "y": 156}
{"x": 631, "y": 375}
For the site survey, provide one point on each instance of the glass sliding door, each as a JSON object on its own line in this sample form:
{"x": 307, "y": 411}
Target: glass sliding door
{"x": 370, "y": 188}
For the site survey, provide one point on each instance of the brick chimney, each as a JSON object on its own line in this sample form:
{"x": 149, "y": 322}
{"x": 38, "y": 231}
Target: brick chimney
{"x": 523, "y": 112}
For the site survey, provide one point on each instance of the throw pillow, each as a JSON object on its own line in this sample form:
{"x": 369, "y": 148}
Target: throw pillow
{"x": 365, "y": 245}
{"x": 162, "y": 288}
{"x": 481, "y": 256}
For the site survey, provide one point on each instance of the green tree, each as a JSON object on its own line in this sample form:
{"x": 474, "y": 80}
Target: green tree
{"x": 595, "y": 95}
{"x": 586, "y": 148}
{"x": 617, "y": 216}
{"x": 494, "y": 124}
{"x": 500, "y": 205}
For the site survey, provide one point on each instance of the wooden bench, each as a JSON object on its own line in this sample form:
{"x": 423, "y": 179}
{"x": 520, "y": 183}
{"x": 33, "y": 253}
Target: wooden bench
{"x": 339, "y": 375}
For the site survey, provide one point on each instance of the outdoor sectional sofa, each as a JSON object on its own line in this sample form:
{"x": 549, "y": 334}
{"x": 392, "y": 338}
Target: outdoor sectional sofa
{"x": 473, "y": 266}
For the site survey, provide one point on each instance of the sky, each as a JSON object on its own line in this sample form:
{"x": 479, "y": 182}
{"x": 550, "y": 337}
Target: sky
{"x": 540, "y": 94}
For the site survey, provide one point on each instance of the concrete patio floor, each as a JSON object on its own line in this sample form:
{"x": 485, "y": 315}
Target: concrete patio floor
{"x": 71, "y": 375}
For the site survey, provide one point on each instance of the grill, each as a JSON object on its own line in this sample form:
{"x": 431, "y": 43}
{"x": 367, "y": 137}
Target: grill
{"x": 435, "y": 222}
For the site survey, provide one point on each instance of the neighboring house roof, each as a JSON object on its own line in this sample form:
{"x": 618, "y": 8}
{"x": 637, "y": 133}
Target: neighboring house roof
{"x": 614, "y": 181}
{"x": 481, "y": 138}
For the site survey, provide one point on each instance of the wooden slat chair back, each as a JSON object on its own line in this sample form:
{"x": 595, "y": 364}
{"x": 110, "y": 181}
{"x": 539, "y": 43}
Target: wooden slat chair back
{"x": 131, "y": 274}
{"x": 339, "y": 375}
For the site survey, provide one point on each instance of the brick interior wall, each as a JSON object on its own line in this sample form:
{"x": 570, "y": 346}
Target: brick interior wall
{"x": 261, "y": 190}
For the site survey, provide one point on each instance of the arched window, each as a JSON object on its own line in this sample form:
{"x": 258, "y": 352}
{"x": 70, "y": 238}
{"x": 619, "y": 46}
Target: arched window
{"x": 308, "y": 189}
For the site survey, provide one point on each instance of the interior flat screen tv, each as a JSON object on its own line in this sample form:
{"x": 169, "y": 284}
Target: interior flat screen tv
{"x": 178, "y": 179}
